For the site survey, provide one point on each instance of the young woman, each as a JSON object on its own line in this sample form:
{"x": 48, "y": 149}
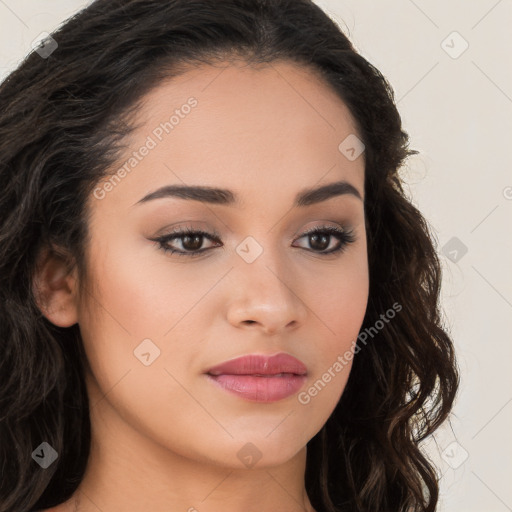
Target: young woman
{"x": 215, "y": 294}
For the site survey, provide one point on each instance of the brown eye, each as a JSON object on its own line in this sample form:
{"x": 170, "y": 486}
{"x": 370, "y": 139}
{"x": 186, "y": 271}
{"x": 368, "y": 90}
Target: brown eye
{"x": 191, "y": 242}
{"x": 321, "y": 238}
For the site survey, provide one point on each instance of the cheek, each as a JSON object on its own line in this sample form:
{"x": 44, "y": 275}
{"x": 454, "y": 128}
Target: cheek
{"x": 139, "y": 294}
{"x": 137, "y": 307}
{"x": 127, "y": 317}
{"x": 346, "y": 305}
{"x": 340, "y": 300}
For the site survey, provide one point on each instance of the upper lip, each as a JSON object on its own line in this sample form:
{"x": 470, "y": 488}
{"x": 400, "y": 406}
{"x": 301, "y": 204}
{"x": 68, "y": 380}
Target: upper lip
{"x": 260, "y": 364}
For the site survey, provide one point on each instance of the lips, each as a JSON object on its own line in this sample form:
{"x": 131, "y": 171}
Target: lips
{"x": 260, "y": 378}
{"x": 257, "y": 364}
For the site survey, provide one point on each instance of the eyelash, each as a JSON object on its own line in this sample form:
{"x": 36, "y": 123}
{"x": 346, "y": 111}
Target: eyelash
{"x": 345, "y": 237}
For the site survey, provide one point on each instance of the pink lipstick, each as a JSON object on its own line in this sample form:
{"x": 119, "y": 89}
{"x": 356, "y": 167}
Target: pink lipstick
{"x": 260, "y": 378}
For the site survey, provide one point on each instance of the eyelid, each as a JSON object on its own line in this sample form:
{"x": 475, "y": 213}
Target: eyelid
{"x": 344, "y": 234}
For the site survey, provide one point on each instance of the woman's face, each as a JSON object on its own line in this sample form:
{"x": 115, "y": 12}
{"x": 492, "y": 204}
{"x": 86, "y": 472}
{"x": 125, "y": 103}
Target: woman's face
{"x": 155, "y": 323}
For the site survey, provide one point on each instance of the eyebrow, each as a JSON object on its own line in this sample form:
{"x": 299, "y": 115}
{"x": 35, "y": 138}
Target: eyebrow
{"x": 226, "y": 197}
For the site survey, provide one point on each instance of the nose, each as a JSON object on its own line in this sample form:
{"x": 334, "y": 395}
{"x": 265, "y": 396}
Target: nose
{"x": 266, "y": 297}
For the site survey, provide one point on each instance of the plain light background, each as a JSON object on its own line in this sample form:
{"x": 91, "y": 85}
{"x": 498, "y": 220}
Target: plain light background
{"x": 449, "y": 65}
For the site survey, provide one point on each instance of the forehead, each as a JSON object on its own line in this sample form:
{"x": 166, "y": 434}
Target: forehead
{"x": 242, "y": 127}
{"x": 234, "y": 95}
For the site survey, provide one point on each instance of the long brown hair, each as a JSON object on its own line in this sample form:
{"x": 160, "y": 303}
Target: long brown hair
{"x": 63, "y": 118}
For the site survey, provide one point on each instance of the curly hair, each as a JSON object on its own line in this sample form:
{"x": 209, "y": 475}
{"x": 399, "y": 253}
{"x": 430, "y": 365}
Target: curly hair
{"x": 63, "y": 121}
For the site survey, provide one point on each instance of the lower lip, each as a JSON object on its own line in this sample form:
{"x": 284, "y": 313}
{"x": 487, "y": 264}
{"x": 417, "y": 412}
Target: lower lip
{"x": 260, "y": 389}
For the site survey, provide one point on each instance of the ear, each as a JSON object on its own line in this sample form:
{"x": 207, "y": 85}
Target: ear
{"x": 55, "y": 286}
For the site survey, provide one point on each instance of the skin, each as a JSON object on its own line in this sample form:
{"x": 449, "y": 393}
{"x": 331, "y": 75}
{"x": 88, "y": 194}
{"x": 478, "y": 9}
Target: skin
{"x": 164, "y": 437}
